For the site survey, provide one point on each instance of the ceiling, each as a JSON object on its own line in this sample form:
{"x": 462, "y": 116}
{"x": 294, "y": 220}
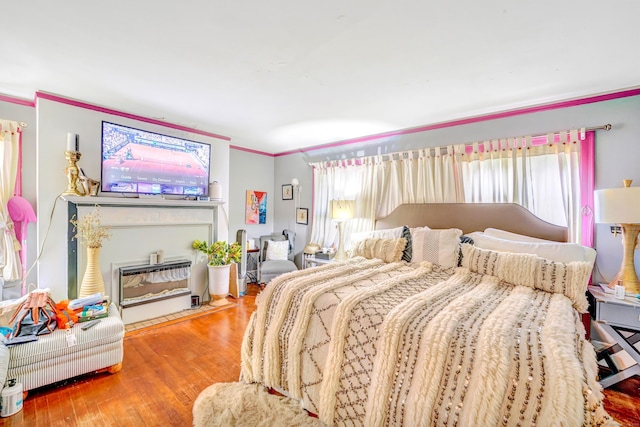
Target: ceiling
{"x": 285, "y": 74}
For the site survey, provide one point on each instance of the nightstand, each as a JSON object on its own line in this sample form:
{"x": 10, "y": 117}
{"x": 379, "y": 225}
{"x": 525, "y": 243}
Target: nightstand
{"x": 620, "y": 318}
{"x": 312, "y": 261}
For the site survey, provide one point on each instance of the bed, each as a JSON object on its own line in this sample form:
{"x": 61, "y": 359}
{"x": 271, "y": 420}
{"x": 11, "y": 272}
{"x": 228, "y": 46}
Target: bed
{"x": 485, "y": 338}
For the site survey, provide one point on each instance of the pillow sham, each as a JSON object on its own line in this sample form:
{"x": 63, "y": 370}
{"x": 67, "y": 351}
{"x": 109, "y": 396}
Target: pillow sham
{"x": 508, "y": 235}
{"x": 558, "y": 252}
{"x": 437, "y": 246}
{"x": 522, "y": 269}
{"x": 388, "y": 250}
{"x": 388, "y": 233}
{"x": 407, "y": 253}
{"x": 589, "y": 253}
{"x": 277, "y": 250}
{"x": 463, "y": 239}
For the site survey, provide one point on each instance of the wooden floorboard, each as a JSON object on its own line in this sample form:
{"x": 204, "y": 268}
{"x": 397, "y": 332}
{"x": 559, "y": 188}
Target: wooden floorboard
{"x": 166, "y": 367}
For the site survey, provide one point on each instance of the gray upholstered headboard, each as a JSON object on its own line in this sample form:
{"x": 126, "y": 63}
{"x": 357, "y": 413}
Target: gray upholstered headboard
{"x": 470, "y": 217}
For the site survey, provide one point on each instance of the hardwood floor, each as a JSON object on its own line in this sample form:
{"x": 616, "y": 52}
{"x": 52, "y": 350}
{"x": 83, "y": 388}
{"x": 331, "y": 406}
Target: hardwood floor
{"x": 166, "y": 367}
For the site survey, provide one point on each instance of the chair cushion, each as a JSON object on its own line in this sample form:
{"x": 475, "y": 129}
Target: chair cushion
{"x": 277, "y": 267}
{"x": 277, "y": 250}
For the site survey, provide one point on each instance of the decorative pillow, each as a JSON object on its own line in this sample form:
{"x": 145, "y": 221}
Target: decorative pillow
{"x": 388, "y": 250}
{"x": 407, "y": 252}
{"x": 463, "y": 239}
{"x": 436, "y": 246}
{"x": 277, "y": 250}
{"x": 570, "y": 279}
{"x": 589, "y": 253}
{"x": 554, "y": 251}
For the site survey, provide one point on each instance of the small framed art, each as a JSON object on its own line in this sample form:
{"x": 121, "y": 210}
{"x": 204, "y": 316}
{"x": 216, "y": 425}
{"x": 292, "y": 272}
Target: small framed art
{"x": 302, "y": 216}
{"x": 287, "y": 192}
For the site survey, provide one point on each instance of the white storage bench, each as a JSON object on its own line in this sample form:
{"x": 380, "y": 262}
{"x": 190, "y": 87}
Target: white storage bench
{"x": 50, "y": 359}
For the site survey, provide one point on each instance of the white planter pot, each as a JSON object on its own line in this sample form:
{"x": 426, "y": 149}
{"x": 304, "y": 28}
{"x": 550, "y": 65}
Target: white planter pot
{"x": 218, "y": 281}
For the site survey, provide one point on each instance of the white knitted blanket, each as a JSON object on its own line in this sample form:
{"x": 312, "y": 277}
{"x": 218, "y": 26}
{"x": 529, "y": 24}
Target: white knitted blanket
{"x": 367, "y": 343}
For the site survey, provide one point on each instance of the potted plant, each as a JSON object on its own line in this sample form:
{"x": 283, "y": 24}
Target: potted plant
{"x": 220, "y": 256}
{"x": 90, "y": 232}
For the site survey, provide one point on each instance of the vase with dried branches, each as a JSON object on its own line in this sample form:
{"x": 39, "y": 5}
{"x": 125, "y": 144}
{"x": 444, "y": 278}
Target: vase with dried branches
{"x": 90, "y": 232}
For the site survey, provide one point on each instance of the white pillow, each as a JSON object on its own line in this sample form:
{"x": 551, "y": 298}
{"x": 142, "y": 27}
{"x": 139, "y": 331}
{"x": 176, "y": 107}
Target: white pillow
{"x": 507, "y": 235}
{"x": 389, "y": 233}
{"x": 388, "y": 250}
{"x": 554, "y": 251}
{"x": 436, "y": 246}
{"x": 277, "y": 250}
{"x": 589, "y": 253}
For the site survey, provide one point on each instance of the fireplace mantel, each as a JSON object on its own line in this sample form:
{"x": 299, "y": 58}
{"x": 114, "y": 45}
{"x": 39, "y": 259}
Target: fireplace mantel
{"x": 145, "y": 219}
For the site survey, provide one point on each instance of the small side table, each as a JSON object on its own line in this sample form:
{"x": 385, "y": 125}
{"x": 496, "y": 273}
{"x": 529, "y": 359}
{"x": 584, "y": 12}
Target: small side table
{"x": 620, "y": 319}
{"x": 312, "y": 261}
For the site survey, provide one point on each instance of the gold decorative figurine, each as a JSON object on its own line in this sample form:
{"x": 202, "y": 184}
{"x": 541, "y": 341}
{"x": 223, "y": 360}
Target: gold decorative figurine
{"x": 72, "y": 172}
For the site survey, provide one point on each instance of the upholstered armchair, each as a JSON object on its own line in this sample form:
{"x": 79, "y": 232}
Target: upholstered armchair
{"x": 276, "y": 255}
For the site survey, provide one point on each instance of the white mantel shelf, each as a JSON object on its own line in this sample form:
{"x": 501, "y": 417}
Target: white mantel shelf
{"x": 140, "y": 201}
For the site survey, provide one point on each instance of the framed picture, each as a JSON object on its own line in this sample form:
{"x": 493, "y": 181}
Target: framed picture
{"x": 256, "y": 207}
{"x": 287, "y": 192}
{"x": 302, "y": 216}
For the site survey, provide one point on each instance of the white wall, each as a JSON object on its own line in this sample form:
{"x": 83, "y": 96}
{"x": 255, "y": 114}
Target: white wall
{"x": 286, "y": 168}
{"x": 249, "y": 171}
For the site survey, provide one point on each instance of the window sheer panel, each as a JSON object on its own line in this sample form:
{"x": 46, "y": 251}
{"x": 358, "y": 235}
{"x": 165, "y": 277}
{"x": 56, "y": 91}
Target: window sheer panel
{"x": 544, "y": 175}
{"x": 346, "y": 181}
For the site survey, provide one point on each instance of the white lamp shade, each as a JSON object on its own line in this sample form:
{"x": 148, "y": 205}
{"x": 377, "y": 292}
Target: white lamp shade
{"x": 617, "y": 205}
{"x": 342, "y": 209}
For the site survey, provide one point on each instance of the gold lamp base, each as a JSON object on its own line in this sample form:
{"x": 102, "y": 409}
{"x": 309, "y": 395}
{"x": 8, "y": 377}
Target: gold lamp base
{"x": 627, "y": 273}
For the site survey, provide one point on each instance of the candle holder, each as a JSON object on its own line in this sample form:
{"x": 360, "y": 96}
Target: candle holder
{"x": 72, "y": 172}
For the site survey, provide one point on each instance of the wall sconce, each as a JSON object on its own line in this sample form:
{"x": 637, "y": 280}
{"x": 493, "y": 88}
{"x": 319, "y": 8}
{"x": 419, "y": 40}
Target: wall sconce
{"x": 621, "y": 206}
{"x": 296, "y": 186}
{"x": 341, "y": 211}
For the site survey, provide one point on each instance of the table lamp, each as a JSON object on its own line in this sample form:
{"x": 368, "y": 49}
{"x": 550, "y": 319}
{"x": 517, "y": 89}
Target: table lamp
{"x": 341, "y": 211}
{"x": 621, "y": 206}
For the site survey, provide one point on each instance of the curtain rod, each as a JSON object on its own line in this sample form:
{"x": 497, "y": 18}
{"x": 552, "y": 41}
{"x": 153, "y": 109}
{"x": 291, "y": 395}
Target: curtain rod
{"x": 606, "y": 127}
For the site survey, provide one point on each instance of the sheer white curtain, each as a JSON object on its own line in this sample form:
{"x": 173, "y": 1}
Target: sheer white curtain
{"x": 345, "y": 180}
{"x": 541, "y": 175}
{"x": 9, "y": 155}
{"x": 423, "y": 176}
{"x": 379, "y": 184}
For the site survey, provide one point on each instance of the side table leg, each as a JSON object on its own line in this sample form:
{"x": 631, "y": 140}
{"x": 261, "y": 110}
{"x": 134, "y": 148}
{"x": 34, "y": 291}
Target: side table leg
{"x": 631, "y": 350}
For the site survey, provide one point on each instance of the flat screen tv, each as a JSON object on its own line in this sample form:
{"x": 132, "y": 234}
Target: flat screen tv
{"x": 143, "y": 162}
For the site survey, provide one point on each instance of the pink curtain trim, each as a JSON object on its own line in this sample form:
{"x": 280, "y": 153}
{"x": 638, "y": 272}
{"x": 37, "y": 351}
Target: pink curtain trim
{"x": 587, "y": 174}
{"x": 18, "y": 189}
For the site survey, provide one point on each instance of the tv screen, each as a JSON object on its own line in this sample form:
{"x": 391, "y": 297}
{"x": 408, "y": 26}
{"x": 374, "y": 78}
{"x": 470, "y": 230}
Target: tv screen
{"x": 138, "y": 161}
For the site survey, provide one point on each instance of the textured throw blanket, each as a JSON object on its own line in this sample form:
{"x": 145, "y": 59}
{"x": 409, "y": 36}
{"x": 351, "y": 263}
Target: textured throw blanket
{"x": 496, "y": 342}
